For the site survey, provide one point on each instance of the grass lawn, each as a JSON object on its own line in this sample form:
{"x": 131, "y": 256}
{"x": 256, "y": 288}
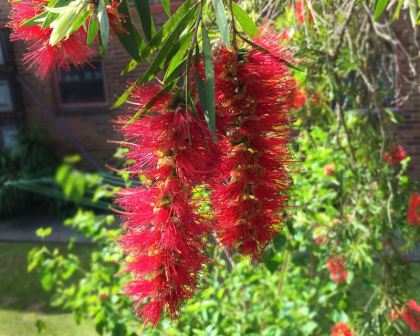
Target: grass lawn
{"x": 23, "y": 302}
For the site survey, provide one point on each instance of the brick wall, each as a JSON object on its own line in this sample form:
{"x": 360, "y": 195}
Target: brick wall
{"x": 92, "y": 127}
{"x": 408, "y": 131}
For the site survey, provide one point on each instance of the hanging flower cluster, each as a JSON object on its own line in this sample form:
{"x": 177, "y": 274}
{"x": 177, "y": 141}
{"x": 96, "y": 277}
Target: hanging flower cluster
{"x": 164, "y": 236}
{"x": 336, "y": 267}
{"x": 414, "y": 210}
{"x": 302, "y": 12}
{"x": 247, "y": 170}
{"x": 411, "y": 315}
{"x": 341, "y": 329}
{"x": 254, "y": 93}
{"x": 395, "y": 155}
{"x": 57, "y": 45}
{"x": 41, "y": 54}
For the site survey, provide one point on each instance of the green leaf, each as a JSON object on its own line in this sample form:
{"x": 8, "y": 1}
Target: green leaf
{"x": 47, "y": 281}
{"x": 271, "y": 260}
{"x": 219, "y": 10}
{"x": 143, "y": 10}
{"x": 279, "y": 242}
{"x": 262, "y": 49}
{"x": 35, "y": 21}
{"x": 44, "y": 232}
{"x": 380, "y": 6}
{"x": 130, "y": 39}
{"x": 166, "y": 6}
{"x": 168, "y": 46}
{"x": 412, "y": 7}
{"x": 398, "y": 10}
{"x": 247, "y": 24}
{"x": 123, "y": 98}
{"x": 179, "y": 57}
{"x": 92, "y": 30}
{"x": 40, "y": 326}
{"x": 51, "y": 16}
{"x": 210, "y": 106}
{"x": 290, "y": 227}
{"x": 104, "y": 24}
{"x": 147, "y": 51}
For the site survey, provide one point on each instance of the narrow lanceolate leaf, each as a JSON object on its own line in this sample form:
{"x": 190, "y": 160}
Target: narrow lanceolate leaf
{"x": 166, "y": 7}
{"x": 123, "y": 98}
{"x": 161, "y": 57}
{"x": 219, "y": 10}
{"x": 412, "y": 8}
{"x": 35, "y": 21}
{"x": 104, "y": 24}
{"x": 380, "y": 6}
{"x": 147, "y": 51}
{"x": 92, "y": 30}
{"x": 130, "y": 39}
{"x": 51, "y": 16}
{"x": 179, "y": 58}
{"x": 247, "y": 24}
{"x": 168, "y": 46}
{"x": 143, "y": 10}
{"x": 209, "y": 90}
{"x": 153, "y": 101}
{"x": 398, "y": 10}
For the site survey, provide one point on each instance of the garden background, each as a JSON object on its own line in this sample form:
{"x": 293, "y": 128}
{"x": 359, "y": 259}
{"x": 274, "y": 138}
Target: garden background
{"x": 348, "y": 252}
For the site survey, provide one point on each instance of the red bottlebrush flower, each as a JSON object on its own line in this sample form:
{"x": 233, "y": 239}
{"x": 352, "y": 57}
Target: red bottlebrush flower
{"x": 342, "y": 329}
{"x": 319, "y": 240}
{"x": 411, "y": 315}
{"x": 253, "y": 98}
{"x": 302, "y": 12}
{"x": 337, "y": 269}
{"x": 299, "y": 98}
{"x": 41, "y": 55}
{"x": 394, "y": 314}
{"x": 164, "y": 237}
{"x": 116, "y": 20}
{"x": 329, "y": 169}
{"x": 395, "y": 155}
{"x": 286, "y": 34}
{"x": 414, "y": 210}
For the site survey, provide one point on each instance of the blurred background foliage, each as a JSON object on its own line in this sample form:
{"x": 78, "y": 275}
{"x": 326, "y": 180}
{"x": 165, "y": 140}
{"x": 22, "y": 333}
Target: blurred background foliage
{"x": 346, "y": 202}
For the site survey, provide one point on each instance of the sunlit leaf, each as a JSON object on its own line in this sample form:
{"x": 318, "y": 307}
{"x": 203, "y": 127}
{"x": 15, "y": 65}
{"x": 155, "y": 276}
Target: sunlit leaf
{"x": 247, "y": 24}
{"x": 219, "y": 10}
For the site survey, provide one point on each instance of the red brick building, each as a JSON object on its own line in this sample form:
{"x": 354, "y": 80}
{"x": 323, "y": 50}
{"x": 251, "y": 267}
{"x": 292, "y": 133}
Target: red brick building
{"x": 74, "y": 109}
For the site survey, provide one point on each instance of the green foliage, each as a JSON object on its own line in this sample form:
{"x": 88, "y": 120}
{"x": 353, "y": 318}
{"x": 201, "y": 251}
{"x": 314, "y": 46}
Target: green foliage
{"x": 32, "y": 157}
{"x": 345, "y": 200}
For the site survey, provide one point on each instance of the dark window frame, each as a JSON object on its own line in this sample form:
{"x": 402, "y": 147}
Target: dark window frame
{"x": 75, "y": 107}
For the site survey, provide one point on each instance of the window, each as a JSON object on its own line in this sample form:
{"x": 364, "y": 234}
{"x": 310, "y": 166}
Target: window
{"x": 6, "y": 101}
{"x": 1, "y": 55}
{"x": 9, "y": 136}
{"x": 83, "y": 85}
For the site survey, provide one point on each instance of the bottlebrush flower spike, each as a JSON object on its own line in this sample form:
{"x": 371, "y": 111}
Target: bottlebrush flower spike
{"x": 254, "y": 95}
{"x": 299, "y": 98}
{"x": 414, "y": 210}
{"x": 411, "y": 315}
{"x": 164, "y": 237}
{"x": 395, "y": 155}
{"x": 116, "y": 20}
{"x": 337, "y": 268}
{"x": 341, "y": 329}
{"x": 302, "y": 13}
{"x": 41, "y": 55}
